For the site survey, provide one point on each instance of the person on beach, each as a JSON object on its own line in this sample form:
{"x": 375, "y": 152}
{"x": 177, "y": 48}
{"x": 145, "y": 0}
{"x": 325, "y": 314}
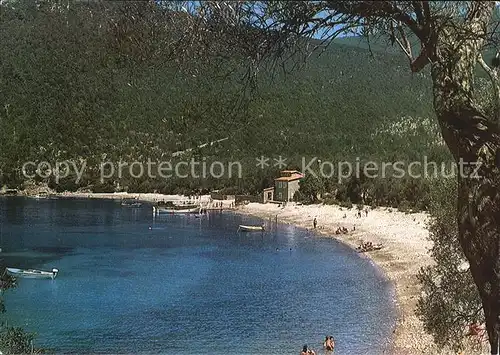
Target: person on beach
{"x": 315, "y": 222}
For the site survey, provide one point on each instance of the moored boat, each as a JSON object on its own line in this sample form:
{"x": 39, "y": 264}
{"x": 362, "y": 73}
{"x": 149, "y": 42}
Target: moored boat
{"x": 131, "y": 203}
{"x": 244, "y": 228}
{"x": 32, "y": 274}
{"x": 41, "y": 195}
{"x": 176, "y": 209}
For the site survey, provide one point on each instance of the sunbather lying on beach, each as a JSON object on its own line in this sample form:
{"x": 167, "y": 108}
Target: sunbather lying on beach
{"x": 368, "y": 246}
{"x": 341, "y": 230}
{"x": 477, "y": 330}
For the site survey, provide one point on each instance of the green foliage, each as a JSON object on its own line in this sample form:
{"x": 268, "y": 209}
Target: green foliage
{"x": 346, "y": 204}
{"x": 330, "y": 201}
{"x": 88, "y": 83}
{"x": 404, "y": 206}
{"x": 109, "y": 81}
{"x": 14, "y": 340}
{"x": 299, "y": 197}
{"x": 450, "y": 300}
{"x": 310, "y": 188}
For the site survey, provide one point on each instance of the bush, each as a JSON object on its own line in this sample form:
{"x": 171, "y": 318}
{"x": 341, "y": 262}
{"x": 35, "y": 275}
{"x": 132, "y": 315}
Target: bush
{"x": 449, "y": 300}
{"x": 106, "y": 187}
{"x": 310, "y": 188}
{"x": 229, "y": 191}
{"x": 330, "y": 201}
{"x": 64, "y": 184}
{"x": 404, "y": 206}
{"x": 298, "y": 196}
{"x": 14, "y": 340}
{"x": 346, "y": 204}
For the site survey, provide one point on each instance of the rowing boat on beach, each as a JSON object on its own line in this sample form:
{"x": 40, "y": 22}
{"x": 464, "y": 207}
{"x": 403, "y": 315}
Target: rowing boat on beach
{"x": 244, "y": 228}
{"x": 32, "y": 274}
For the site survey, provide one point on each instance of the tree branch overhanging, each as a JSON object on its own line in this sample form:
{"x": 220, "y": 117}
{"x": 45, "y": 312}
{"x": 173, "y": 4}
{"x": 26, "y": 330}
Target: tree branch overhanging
{"x": 415, "y": 16}
{"x": 378, "y": 9}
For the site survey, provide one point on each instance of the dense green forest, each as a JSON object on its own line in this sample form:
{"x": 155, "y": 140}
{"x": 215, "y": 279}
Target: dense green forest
{"x": 96, "y": 83}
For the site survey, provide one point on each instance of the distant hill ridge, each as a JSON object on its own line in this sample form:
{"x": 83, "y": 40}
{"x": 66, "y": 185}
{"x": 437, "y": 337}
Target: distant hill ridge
{"x": 80, "y": 97}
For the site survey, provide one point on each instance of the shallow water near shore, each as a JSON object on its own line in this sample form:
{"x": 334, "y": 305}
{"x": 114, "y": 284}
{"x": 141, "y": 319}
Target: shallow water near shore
{"x": 188, "y": 285}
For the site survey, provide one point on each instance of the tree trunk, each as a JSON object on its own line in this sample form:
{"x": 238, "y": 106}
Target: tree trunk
{"x": 474, "y": 141}
{"x": 479, "y": 217}
{"x": 479, "y": 220}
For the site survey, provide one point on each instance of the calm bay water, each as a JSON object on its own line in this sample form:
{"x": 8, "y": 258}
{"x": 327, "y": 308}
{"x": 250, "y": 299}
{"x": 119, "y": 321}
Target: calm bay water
{"x": 187, "y": 286}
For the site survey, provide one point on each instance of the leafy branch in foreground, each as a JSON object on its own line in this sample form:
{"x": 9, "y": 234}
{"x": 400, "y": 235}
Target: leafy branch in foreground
{"x": 14, "y": 340}
{"x": 449, "y": 302}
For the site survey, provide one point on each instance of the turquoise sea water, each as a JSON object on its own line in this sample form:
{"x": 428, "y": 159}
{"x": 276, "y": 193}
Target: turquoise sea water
{"x": 187, "y": 286}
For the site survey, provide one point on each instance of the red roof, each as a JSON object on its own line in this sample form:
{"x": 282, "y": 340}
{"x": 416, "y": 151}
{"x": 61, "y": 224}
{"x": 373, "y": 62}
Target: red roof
{"x": 294, "y": 175}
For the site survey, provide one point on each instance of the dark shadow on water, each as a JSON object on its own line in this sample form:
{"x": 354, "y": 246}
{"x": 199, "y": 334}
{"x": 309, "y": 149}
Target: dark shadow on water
{"x": 54, "y": 250}
{"x": 28, "y": 259}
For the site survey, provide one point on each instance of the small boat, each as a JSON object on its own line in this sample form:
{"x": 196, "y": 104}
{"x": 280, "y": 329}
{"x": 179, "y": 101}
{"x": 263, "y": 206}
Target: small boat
{"x": 183, "y": 203}
{"x": 244, "y": 228}
{"x": 131, "y": 203}
{"x": 32, "y": 274}
{"x": 158, "y": 210}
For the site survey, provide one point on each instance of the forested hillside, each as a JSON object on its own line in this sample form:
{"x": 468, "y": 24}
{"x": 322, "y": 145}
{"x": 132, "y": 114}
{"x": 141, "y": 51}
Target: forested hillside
{"x": 84, "y": 83}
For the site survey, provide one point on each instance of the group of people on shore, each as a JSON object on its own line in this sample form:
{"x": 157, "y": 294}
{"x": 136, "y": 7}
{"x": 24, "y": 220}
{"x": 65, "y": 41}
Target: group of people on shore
{"x": 328, "y": 345}
{"x": 341, "y": 230}
{"x": 360, "y": 213}
{"x": 368, "y": 246}
{"x": 220, "y": 204}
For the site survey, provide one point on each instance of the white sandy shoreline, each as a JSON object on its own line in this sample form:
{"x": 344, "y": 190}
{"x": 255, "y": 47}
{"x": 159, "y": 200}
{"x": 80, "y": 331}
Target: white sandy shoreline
{"x": 406, "y": 245}
{"x": 406, "y": 250}
{"x": 404, "y": 237}
{"x": 145, "y": 197}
